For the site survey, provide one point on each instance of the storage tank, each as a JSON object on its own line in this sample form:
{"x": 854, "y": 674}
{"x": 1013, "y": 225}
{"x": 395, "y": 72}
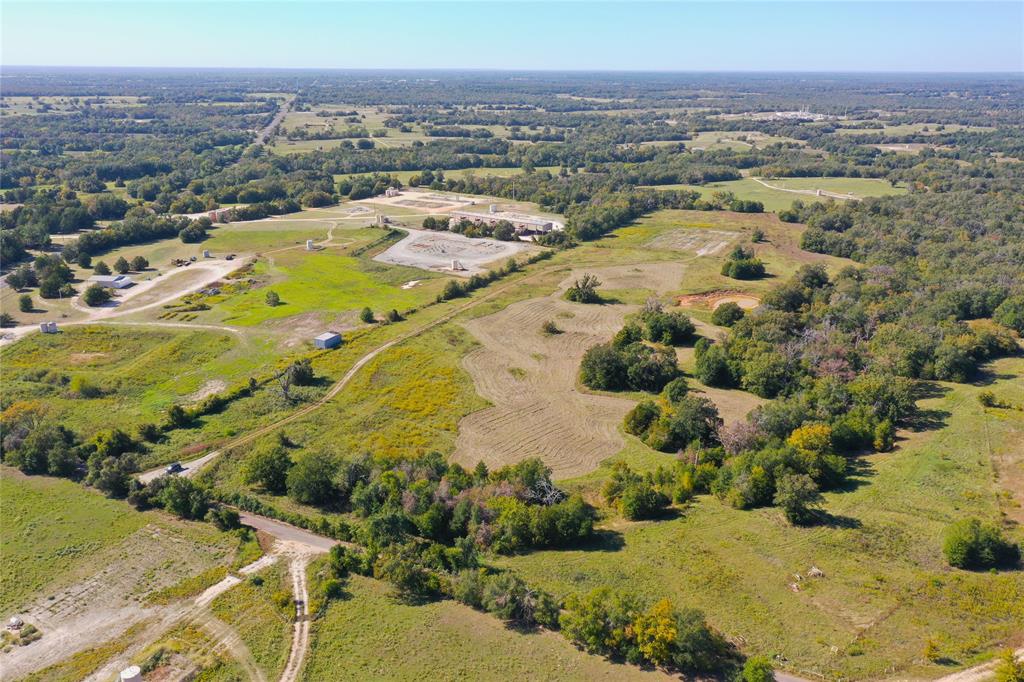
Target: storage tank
{"x": 131, "y": 674}
{"x": 493, "y": 208}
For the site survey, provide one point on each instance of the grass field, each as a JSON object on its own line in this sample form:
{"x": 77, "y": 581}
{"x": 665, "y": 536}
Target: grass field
{"x": 328, "y": 282}
{"x": 263, "y": 623}
{"x": 369, "y": 636}
{"x": 776, "y": 200}
{"x": 457, "y": 173}
{"x": 736, "y": 140}
{"x": 886, "y": 591}
{"x": 135, "y": 374}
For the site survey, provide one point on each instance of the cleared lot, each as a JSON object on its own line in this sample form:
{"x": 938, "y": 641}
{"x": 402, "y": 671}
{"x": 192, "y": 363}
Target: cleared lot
{"x": 435, "y": 251}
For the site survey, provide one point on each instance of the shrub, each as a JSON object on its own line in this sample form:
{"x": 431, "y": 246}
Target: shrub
{"x": 550, "y": 328}
{"x": 671, "y": 329}
{"x": 25, "y": 303}
{"x": 584, "y": 290}
{"x": 758, "y": 669}
{"x": 121, "y": 265}
{"x": 273, "y": 299}
{"x": 641, "y": 500}
{"x": 972, "y": 545}
{"x": 676, "y": 390}
{"x": 604, "y": 368}
{"x": 366, "y": 315}
{"x": 798, "y": 496}
{"x": 101, "y": 268}
{"x": 139, "y": 264}
{"x": 727, "y": 314}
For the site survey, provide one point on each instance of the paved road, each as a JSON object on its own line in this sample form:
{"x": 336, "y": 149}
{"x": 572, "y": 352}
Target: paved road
{"x": 287, "y": 532}
{"x": 264, "y": 135}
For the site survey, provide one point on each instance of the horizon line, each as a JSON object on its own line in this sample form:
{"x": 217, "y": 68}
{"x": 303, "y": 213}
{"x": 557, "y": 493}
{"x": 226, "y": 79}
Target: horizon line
{"x": 1017, "y": 72}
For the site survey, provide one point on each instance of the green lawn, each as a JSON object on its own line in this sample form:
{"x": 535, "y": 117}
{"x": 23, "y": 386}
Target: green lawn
{"x": 328, "y": 282}
{"x": 369, "y": 636}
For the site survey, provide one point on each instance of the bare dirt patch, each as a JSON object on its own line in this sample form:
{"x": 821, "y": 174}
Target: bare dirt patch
{"x": 85, "y": 358}
{"x": 209, "y": 388}
{"x": 301, "y": 328}
{"x": 713, "y": 299}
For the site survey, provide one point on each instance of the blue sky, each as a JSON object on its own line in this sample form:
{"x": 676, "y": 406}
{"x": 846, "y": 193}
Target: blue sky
{"x": 829, "y": 35}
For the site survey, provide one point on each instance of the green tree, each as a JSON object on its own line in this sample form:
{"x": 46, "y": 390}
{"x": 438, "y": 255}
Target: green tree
{"x": 25, "y": 303}
{"x": 974, "y": 545}
{"x": 273, "y": 299}
{"x": 101, "y": 268}
{"x": 95, "y": 295}
{"x": 366, "y": 315}
{"x": 797, "y": 495}
{"x": 139, "y": 263}
{"x": 727, "y": 314}
{"x": 1009, "y": 668}
{"x": 1010, "y": 313}
{"x": 121, "y": 265}
{"x": 268, "y": 467}
{"x": 310, "y": 480}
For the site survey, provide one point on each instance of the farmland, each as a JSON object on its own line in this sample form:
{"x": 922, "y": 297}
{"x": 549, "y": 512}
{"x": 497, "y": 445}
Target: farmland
{"x": 775, "y": 434}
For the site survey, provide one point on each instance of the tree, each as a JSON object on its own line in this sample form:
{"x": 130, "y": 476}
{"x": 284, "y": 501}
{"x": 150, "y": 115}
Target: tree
{"x": 101, "y": 268}
{"x": 272, "y": 299}
{"x": 798, "y": 496}
{"x": 584, "y": 290}
{"x": 712, "y": 367}
{"x": 139, "y": 263}
{"x": 268, "y": 467}
{"x": 727, "y": 314}
{"x": 177, "y": 417}
{"x": 641, "y": 501}
{"x": 25, "y": 303}
{"x": 400, "y": 565}
{"x": 182, "y": 496}
{"x": 656, "y": 633}
{"x": 83, "y": 260}
{"x": 310, "y": 480}
{"x": 95, "y": 295}
{"x": 121, "y": 265}
{"x": 366, "y": 315}
{"x": 6, "y": 320}
{"x": 603, "y": 368}
{"x": 972, "y": 545}
{"x": 16, "y": 280}
{"x": 1010, "y": 313}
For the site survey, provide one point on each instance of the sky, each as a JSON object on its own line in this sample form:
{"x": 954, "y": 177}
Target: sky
{"x": 763, "y": 35}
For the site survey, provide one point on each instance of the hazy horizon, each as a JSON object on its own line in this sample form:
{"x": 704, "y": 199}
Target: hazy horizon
{"x": 658, "y": 37}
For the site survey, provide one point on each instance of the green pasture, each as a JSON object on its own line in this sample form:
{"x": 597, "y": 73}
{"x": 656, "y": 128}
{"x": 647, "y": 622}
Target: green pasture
{"x": 886, "y": 592}
{"x": 369, "y": 635}
{"x": 776, "y": 200}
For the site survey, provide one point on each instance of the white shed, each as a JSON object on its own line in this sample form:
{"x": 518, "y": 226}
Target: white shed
{"x": 327, "y": 340}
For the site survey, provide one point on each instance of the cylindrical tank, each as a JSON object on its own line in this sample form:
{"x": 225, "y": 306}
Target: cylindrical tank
{"x": 493, "y": 208}
{"x": 131, "y": 674}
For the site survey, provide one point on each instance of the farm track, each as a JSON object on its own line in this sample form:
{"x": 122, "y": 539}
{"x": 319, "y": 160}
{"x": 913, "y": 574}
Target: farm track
{"x": 808, "y": 192}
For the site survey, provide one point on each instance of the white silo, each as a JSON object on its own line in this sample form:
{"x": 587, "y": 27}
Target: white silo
{"x": 131, "y": 674}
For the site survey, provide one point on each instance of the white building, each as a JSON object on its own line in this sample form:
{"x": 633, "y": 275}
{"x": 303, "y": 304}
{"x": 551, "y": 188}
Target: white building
{"x": 112, "y": 281}
{"x": 522, "y": 222}
{"x": 327, "y": 340}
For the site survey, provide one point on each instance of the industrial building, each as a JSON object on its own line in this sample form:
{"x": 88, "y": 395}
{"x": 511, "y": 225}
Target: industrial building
{"x": 522, "y": 222}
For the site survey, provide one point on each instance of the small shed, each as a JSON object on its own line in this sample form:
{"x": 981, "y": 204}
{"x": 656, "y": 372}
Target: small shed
{"x": 206, "y": 253}
{"x": 327, "y": 340}
{"x": 309, "y": 245}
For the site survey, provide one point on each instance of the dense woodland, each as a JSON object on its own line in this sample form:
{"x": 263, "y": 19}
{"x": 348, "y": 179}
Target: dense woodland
{"x": 936, "y": 291}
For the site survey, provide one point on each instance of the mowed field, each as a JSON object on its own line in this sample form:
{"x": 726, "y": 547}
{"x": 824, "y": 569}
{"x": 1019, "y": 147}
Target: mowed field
{"x": 777, "y": 199}
{"x": 371, "y": 636}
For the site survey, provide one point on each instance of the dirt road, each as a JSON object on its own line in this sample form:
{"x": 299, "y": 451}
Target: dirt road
{"x": 300, "y": 633}
{"x": 809, "y": 192}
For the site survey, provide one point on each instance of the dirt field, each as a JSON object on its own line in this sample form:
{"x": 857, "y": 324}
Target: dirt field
{"x": 530, "y": 378}
{"x": 101, "y": 606}
{"x": 437, "y": 203}
{"x": 435, "y": 251}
